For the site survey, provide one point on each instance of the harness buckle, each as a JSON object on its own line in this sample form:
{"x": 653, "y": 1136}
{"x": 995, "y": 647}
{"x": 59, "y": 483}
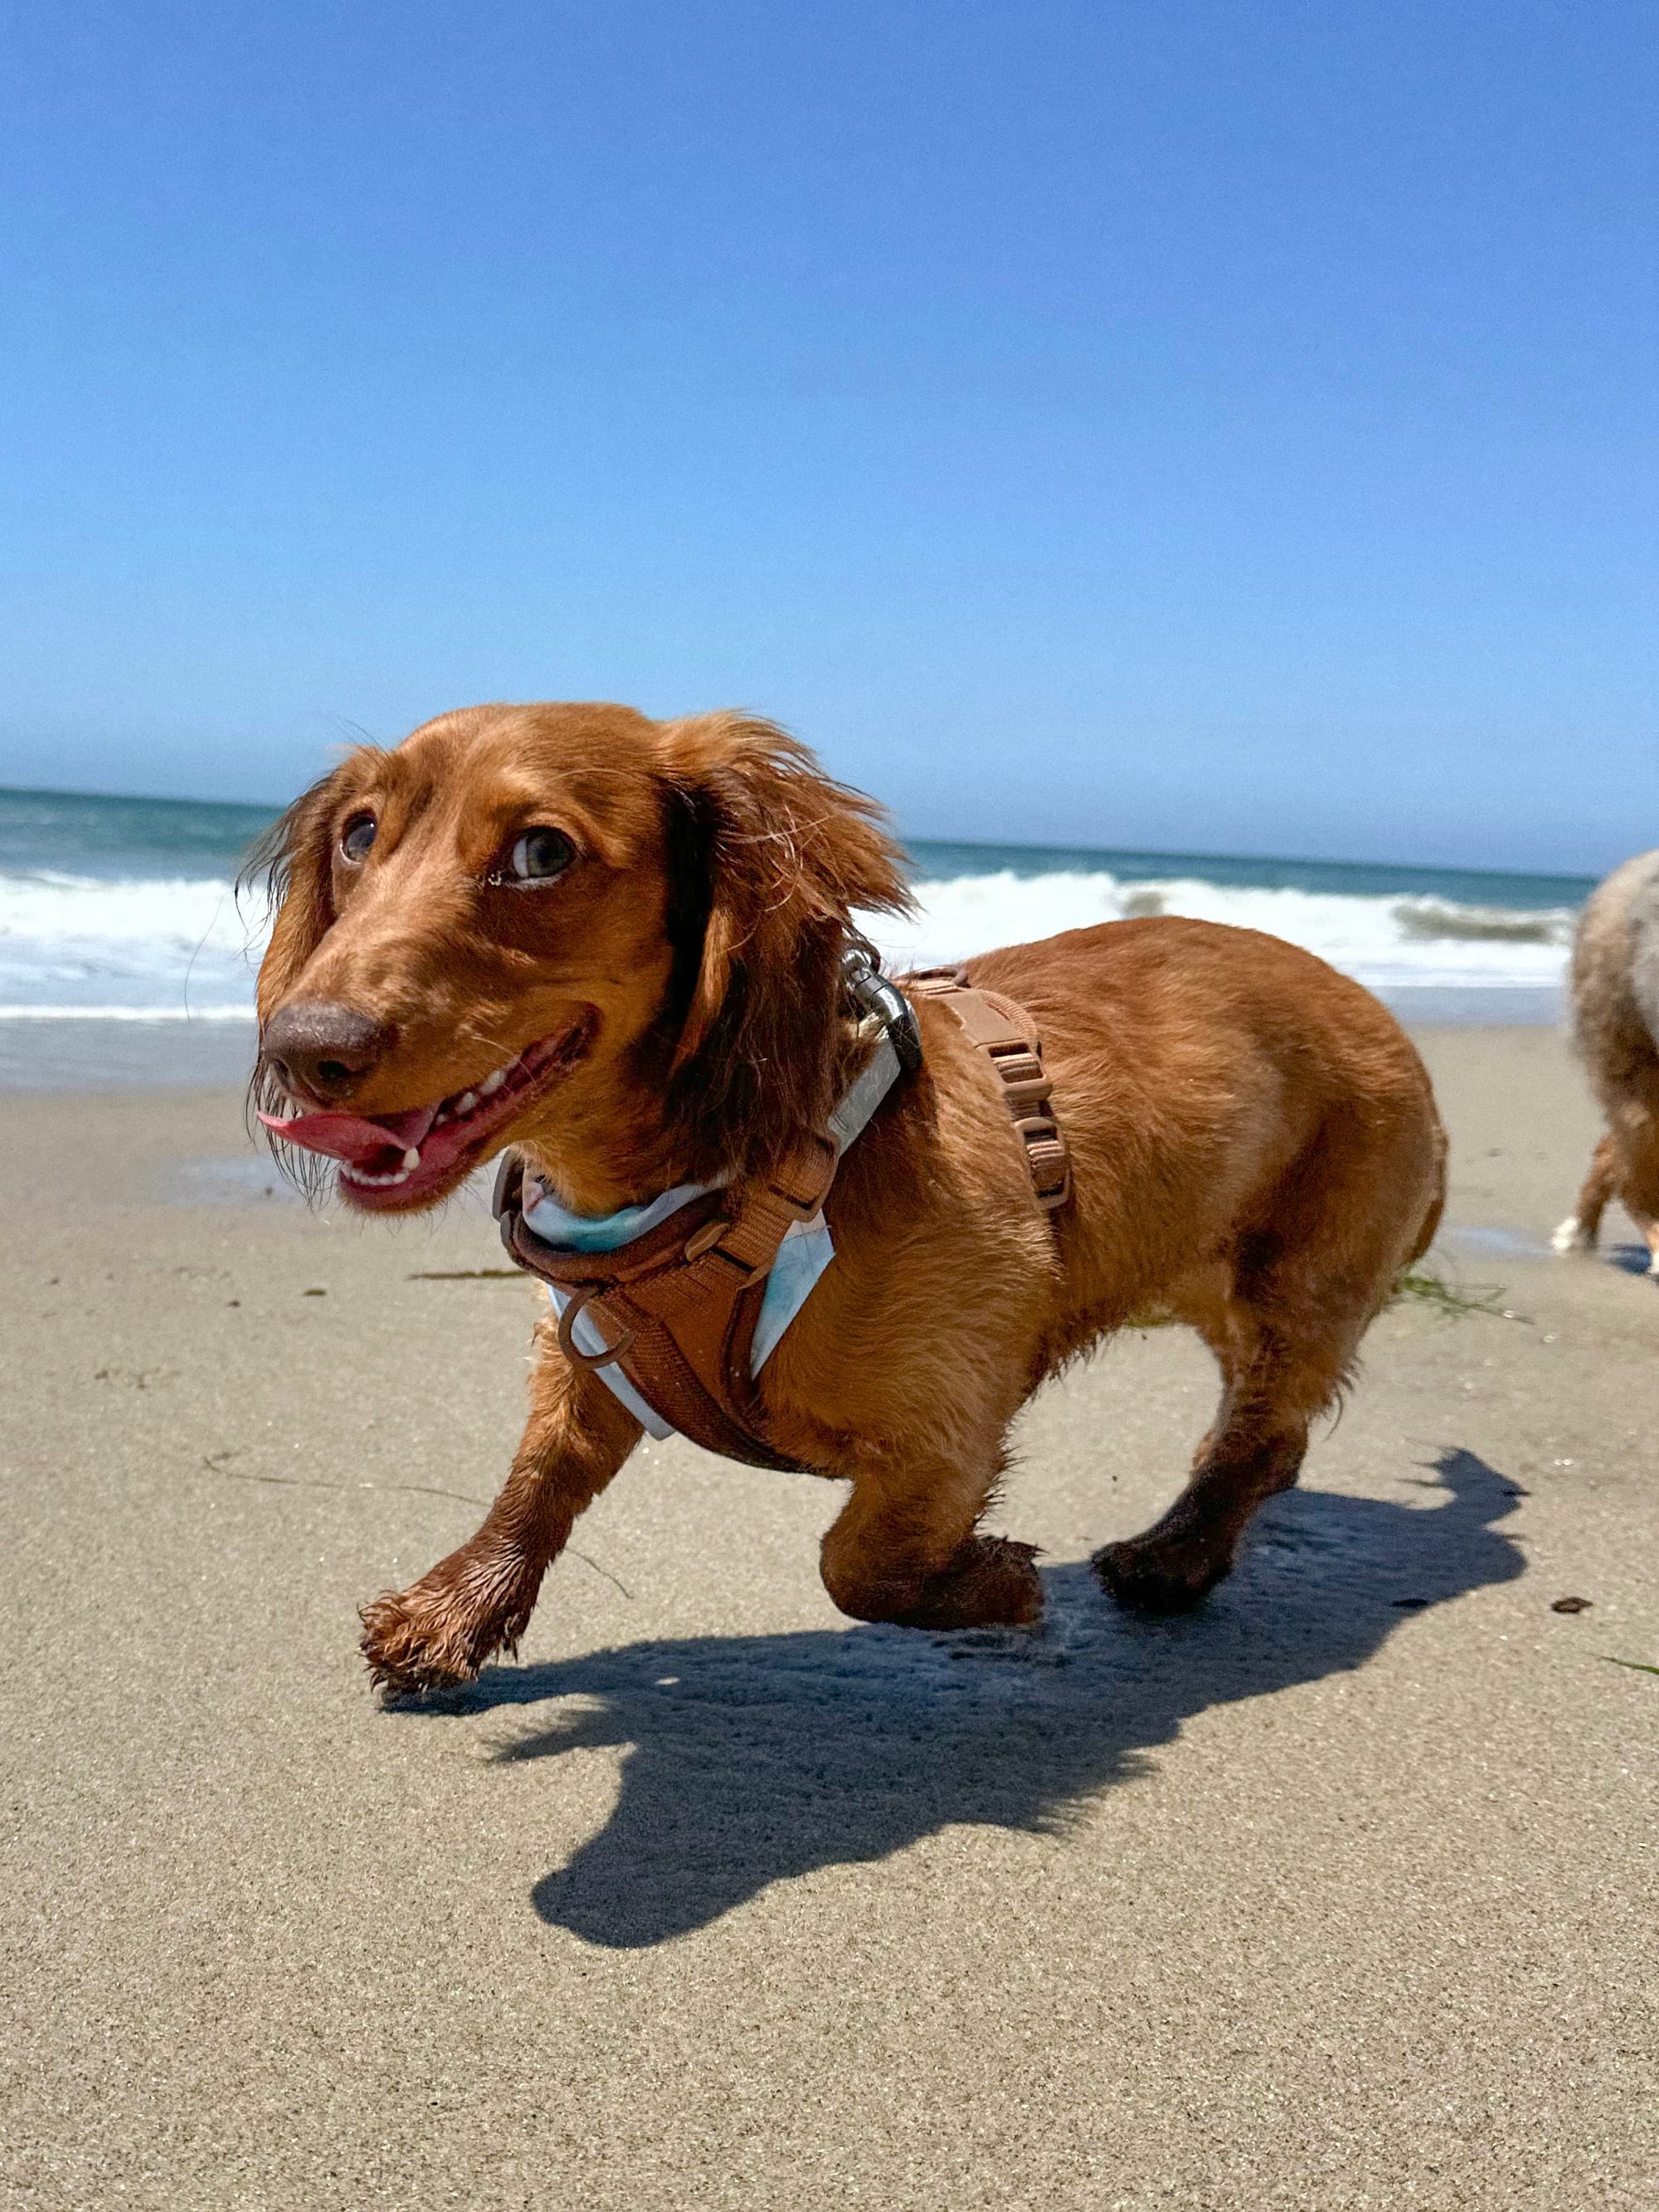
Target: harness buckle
{"x": 1024, "y": 1093}
{"x": 1047, "y": 1159}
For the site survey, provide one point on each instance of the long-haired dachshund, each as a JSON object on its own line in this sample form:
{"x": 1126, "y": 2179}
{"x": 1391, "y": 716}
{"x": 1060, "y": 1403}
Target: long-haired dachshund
{"x": 616, "y": 945}
{"x": 1615, "y": 993}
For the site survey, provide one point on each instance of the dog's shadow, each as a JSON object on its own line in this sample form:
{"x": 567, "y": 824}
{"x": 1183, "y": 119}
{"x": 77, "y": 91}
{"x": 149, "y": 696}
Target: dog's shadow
{"x": 1629, "y": 1259}
{"x": 756, "y": 1758}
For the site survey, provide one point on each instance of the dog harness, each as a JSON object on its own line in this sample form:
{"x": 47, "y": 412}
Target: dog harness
{"x": 676, "y": 1305}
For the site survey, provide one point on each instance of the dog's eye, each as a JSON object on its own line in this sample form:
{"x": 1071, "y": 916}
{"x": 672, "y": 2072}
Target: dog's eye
{"x": 539, "y": 855}
{"x": 356, "y": 837}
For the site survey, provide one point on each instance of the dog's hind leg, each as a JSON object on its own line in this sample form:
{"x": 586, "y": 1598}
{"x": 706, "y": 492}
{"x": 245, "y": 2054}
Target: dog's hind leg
{"x": 1647, "y": 1225}
{"x": 1254, "y": 1450}
{"x": 1637, "y": 1132}
{"x": 479, "y": 1599}
{"x": 1578, "y": 1233}
{"x": 1302, "y": 1294}
{"x": 905, "y": 1547}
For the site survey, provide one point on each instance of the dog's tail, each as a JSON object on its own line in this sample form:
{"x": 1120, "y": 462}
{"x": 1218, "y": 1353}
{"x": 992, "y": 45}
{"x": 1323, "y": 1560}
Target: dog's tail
{"x": 1427, "y": 1231}
{"x": 1436, "y": 1206}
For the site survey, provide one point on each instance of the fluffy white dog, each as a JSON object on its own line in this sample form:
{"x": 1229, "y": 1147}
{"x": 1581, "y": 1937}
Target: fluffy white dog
{"x": 1615, "y": 990}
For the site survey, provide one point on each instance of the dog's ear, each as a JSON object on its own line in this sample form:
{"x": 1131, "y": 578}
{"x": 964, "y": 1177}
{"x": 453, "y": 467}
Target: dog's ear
{"x": 769, "y": 859}
{"x": 292, "y": 864}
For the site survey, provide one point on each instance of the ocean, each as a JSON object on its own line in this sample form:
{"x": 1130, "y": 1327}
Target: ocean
{"x": 125, "y": 954}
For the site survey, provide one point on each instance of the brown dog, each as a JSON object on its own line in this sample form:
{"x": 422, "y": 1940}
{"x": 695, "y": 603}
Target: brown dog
{"x": 615, "y": 944}
{"x": 1615, "y": 991}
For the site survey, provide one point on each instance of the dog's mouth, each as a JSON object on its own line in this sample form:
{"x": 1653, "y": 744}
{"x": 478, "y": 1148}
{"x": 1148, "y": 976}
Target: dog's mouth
{"x": 391, "y": 1162}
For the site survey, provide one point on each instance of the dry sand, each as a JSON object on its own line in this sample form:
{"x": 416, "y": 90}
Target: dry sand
{"x": 1339, "y": 1893}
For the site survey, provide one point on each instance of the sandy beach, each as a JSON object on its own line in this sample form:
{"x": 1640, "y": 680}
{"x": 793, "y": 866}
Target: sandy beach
{"x": 1340, "y": 1893}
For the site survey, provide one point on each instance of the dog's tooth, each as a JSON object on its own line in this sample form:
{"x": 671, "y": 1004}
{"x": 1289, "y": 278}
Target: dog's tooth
{"x": 493, "y": 1081}
{"x": 411, "y": 1161}
{"x": 465, "y": 1103}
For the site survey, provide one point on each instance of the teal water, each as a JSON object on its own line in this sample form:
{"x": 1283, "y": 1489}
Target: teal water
{"x": 1483, "y": 887}
{"x": 75, "y": 834}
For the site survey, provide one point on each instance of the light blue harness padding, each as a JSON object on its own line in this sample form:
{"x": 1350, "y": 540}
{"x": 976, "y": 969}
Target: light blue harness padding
{"x": 806, "y": 1249}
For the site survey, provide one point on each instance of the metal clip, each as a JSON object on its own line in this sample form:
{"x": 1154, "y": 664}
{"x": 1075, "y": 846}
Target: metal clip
{"x": 873, "y": 995}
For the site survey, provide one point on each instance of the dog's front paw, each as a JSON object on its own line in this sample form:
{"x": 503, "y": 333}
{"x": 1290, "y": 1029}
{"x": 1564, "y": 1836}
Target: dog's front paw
{"x": 434, "y": 1635}
{"x": 1161, "y": 1573}
{"x": 993, "y": 1582}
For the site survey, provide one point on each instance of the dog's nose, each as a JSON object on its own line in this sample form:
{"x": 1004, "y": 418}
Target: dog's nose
{"x": 320, "y": 1051}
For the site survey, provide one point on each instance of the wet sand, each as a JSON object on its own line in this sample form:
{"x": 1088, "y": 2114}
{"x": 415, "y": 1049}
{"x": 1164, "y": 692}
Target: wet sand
{"x": 1340, "y": 1893}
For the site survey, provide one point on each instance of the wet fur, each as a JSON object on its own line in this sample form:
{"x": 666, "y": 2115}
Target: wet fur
{"x": 1615, "y": 991}
{"x": 1254, "y": 1147}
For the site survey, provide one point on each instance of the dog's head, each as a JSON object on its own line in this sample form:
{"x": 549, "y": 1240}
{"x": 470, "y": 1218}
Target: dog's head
{"x": 564, "y": 927}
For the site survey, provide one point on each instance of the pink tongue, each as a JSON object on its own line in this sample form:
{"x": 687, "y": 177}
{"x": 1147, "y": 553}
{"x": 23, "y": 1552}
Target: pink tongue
{"x": 349, "y": 1137}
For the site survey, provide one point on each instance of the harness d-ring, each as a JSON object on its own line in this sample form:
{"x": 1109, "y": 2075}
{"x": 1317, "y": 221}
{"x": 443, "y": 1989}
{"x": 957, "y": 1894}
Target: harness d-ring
{"x": 573, "y": 1351}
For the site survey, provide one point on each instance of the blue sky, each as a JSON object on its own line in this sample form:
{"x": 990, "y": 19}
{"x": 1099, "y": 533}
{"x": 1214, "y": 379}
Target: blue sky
{"x": 1222, "y": 425}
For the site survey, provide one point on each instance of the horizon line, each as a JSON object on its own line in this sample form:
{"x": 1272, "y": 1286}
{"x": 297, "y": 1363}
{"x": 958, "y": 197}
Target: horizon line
{"x": 967, "y": 844}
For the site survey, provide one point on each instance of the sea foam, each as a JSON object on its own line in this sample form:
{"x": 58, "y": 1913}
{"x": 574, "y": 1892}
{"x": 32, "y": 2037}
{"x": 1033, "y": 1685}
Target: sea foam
{"x": 76, "y": 947}
{"x": 1386, "y": 942}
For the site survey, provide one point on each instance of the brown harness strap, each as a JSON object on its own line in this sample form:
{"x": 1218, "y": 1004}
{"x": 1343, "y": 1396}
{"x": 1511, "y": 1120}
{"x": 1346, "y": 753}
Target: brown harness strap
{"x": 678, "y": 1307}
{"x": 1006, "y": 1035}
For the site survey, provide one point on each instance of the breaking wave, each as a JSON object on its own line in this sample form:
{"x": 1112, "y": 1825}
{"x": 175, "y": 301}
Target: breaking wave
{"x": 1385, "y": 941}
{"x": 78, "y": 947}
